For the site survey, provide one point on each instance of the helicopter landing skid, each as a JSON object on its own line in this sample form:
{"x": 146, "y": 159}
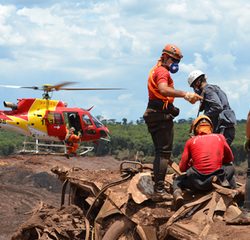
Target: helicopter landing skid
{"x": 84, "y": 150}
{"x": 39, "y": 147}
{"x": 42, "y": 147}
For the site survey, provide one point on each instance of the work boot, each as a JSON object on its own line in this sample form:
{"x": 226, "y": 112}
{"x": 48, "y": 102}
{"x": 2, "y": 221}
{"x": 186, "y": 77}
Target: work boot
{"x": 178, "y": 199}
{"x": 160, "y": 193}
{"x": 159, "y": 187}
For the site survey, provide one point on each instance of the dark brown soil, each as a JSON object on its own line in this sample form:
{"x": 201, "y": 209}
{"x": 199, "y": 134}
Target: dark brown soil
{"x": 26, "y": 180}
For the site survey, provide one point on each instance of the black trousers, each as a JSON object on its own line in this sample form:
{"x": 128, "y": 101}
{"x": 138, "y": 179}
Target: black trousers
{"x": 162, "y": 135}
{"x": 196, "y": 181}
{"x": 229, "y": 134}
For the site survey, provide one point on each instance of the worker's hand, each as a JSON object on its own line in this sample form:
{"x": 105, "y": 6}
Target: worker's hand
{"x": 192, "y": 97}
{"x": 247, "y": 144}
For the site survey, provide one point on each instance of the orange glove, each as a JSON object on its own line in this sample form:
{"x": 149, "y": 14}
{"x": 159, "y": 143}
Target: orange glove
{"x": 192, "y": 97}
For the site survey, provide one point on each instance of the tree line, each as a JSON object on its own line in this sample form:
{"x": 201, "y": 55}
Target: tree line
{"x": 133, "y": 140}
{"x": 130, "y": 141}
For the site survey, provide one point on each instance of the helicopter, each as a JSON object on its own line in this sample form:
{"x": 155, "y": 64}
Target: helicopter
{"x": 47, "y": 120}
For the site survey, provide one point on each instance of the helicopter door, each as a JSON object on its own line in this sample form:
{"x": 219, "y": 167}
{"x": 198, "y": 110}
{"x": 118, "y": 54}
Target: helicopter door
{"x": 55, "y": 124}
{"x": 72, "y": 119}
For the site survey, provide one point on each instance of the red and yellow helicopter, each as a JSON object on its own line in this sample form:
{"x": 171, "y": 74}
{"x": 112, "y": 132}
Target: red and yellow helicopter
{"x": 49, "y": 120}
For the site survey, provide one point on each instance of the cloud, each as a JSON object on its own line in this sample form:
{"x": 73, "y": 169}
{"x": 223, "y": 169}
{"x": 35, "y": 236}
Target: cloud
{"x": 116, "y": 42}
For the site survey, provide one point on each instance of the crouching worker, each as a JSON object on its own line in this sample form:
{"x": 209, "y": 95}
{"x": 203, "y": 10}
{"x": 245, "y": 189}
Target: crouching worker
{"x": 206, "y": 158}
{"x": 72, "y": 142}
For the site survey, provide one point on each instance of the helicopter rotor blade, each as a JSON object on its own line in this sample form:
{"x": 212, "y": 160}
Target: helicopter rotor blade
{"x": 10, "y": 86}
{"x": 34, "y": 88}
{"x": 50, "y": 88}
{"x": 90, "y": 89}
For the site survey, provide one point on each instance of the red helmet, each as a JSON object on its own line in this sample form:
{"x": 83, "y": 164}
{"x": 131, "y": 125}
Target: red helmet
{"x": 173, "y": 51}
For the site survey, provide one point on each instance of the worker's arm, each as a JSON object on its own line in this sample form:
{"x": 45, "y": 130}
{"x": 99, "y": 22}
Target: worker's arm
{"x": 228, "y": 154}
{"x": 212, "y": 99}
{"x": 184, "y": 164}
{"x": 167, "y": 91}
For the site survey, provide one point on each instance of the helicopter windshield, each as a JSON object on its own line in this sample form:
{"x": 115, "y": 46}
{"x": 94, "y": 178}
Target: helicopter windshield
{"x": 97, "y": 122}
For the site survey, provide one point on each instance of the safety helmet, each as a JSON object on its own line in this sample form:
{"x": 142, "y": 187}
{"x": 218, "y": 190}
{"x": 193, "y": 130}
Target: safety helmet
{"x": 173, "y": 51}
{"x": 194, "y": 75}
{"x": 72, "y": 129}
{"x": 202, "y": 125}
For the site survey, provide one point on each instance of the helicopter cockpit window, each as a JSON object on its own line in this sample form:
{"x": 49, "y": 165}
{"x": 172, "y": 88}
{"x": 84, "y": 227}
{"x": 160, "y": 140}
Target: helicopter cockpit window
{"x": 97, "y": 122}
{"x": 86, "y": 120}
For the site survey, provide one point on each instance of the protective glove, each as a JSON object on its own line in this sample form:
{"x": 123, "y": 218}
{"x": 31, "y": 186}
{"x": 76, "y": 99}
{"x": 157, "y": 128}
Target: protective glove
{"x": 247, "y": 144}
{"x": 192, "y": 97}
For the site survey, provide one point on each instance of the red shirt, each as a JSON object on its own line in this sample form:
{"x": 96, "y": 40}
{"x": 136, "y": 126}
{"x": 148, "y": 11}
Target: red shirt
{"x": 206, "y": 153}
{"x": 160, "y": 74}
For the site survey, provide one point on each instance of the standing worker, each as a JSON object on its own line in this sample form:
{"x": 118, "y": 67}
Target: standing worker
{"x": 72, "y": 142}
{"x": 160, "y": 110}
{"x": 214, "y": 104}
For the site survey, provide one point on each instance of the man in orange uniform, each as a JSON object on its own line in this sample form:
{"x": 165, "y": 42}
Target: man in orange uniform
{"x": 160, "y": 111}
{"x": 72, "y": 141}
{"x": 205, "y": 156}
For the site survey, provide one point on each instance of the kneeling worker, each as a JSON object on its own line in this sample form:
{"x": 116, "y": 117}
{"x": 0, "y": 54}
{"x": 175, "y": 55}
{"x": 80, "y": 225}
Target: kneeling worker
{"x": 205, "y": 156}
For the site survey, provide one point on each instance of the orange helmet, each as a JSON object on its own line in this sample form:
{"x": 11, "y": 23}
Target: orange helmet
{"x": 202, "y": 125}
{"x": 173, "y": 51}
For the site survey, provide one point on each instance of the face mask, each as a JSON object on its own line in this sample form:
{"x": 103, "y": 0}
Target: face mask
{"x": 174, "y": 67}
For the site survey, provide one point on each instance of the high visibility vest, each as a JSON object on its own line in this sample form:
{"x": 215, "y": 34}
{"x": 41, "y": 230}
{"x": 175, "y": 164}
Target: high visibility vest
{"x": 152, "y": 86}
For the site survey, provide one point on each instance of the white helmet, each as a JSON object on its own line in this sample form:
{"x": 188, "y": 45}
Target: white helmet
{"x": 194, "y": 75}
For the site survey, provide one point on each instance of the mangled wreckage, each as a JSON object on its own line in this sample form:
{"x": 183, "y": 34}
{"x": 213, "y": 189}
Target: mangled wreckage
{"x": 121, "y": 204}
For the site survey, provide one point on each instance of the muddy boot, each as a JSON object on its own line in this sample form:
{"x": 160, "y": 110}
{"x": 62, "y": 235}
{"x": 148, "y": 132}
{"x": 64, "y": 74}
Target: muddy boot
{"x": 160, "y": 193}
{"x": 178, "y": 199}
{"x": 159, "y": 187}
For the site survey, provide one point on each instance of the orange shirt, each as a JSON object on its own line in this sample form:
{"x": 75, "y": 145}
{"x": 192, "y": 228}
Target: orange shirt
{"x": 73, "y": 138}
{"x": 159, "y": 74}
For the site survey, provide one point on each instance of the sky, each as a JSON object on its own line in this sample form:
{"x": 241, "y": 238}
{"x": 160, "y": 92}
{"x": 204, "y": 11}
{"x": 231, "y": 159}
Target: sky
{"x": 114, "y": 43}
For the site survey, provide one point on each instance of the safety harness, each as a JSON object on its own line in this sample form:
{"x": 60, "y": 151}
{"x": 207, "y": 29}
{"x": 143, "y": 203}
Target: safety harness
{"x": 152, "y": 86}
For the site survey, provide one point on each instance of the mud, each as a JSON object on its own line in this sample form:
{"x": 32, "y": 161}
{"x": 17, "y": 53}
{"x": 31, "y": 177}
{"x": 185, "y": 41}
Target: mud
{"x": 27, "y": 181}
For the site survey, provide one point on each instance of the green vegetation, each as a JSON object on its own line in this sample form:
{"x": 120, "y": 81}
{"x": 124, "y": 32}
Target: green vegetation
{"x": 130, "y": 140}
{"x": 9, "y": 142}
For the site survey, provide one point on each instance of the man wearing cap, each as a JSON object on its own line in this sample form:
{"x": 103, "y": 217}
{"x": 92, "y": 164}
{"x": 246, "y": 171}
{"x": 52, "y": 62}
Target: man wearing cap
{"x": 214, "y": 104}
{"x": 160, "y": 110}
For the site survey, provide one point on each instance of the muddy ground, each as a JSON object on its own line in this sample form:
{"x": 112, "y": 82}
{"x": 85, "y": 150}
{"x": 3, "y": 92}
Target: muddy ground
{"x": 26, "y": 180}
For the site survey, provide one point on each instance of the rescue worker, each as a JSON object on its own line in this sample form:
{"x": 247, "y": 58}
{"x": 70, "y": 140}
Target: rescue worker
{"x": 205, "y": 156}
{"x": 72, "y": 142}
{"x": 214, "y": 104}
{"x": 160, "y": 110}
